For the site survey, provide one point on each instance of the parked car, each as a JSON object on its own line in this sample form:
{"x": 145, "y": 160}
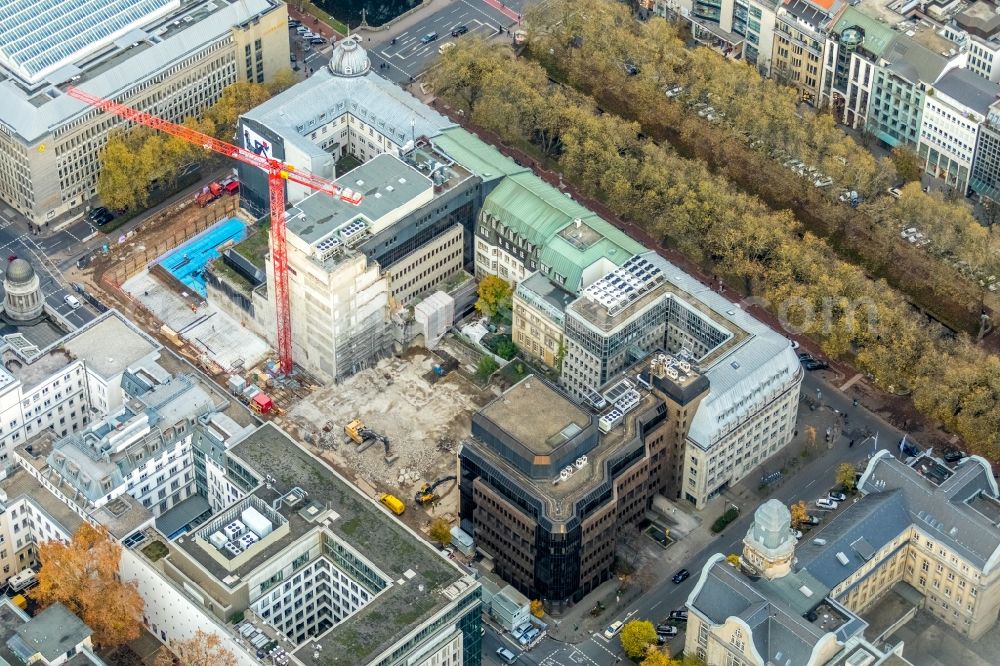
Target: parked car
{"x": 894, "y": 192}
{"x": 103, "y": 219}
{"x": 428, "y": 38}
{"x": 953, "y": 455}
{"x": 97, "y": 212}
{"x": 798, "y": 534}
{"x": 826, "y": 503}
{"x": 814, "y": 364}
{"x": 613, "y": 629}
{"x": 675, "y": 91}
{"x": 667, "y": 630}
{"x": 679, "y": 615}
{"x": 681, "y": 576}
{"x": 72, "y": 301}
{"x": 837, "y": 496}
{"x": 822, "y": 181}
{"x": 630, "y": 68}
{"x": 506, "y": 656}
{"x": 317, "y": 40}
{"x": 460, "y": 30}
{"x": 812, "y": 520}
{"x": 447, "y": 46}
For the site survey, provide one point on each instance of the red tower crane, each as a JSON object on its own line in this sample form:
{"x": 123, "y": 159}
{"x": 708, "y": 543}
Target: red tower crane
{"x": 277, "y": 172}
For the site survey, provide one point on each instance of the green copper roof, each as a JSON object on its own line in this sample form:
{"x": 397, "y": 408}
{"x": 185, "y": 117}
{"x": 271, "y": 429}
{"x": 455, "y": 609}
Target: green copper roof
{"x": 878, "y": 36}
{"x": 546, "y": 218}
{"x": 475, "y": 155}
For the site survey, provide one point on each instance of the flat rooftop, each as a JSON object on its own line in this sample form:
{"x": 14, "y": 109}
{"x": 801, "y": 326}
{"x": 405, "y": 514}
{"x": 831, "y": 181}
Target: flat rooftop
{"x": 110, "y": 344}
{"x": 536, "y": 415}
{"x": 386, "y": 182}
{"x": 39, "y": 369}
{"x": 560, "y": 498}
{"x": 407, "y": 560}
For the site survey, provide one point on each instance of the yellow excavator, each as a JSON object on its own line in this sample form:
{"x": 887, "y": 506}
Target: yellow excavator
{"x": 426, "y": 494}
{"x": 365, "y": 437}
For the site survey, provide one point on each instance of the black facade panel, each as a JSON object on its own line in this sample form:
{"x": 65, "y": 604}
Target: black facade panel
{"x": 254, "y": 195}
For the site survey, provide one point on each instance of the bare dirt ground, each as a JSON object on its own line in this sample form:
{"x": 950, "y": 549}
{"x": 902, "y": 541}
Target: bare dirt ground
{"x": 425, "y": 421}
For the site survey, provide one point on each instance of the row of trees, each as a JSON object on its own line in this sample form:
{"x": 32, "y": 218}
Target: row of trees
{"x": 779, "y": 264}
{"x": 638, "y": 638}
{"x": 761, "y": 125}
{"x": 83, "y": 574}
{"x": 133, "y": 160}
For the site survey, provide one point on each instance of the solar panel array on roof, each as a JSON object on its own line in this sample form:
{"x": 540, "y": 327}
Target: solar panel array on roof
{"x": 624, "y": 285}
{"x": 38, "y": 36}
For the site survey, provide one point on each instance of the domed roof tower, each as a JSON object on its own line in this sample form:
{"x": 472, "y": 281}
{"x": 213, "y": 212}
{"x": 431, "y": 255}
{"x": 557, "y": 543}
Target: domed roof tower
{"x": 22, "y": 299}
{"x": 770, "y": 543}
{"x": 349, "y": 59}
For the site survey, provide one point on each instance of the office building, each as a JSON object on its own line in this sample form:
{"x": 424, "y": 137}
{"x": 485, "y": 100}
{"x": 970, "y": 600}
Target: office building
{"x": 754, "y": 377}
{"x": 876, "y": 77}
{"x": 53, "y": 637}
{"x": 539, "y": 319}
{"x": 923, "y": 531}
{"x": 949, "y": 129}
{"x": 311, "y": 563}
{"x": 975, "y": 29}
{"x": 547, "y": 487}
{"x": 986, "y": 164}
{"x": 169, "y": 57}
{"x": 526, "y": 225}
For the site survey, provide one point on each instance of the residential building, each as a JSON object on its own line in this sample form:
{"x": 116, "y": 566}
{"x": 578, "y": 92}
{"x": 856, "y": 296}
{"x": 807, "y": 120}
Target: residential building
{"x": 923, "y": 532}
{"x": 547, "y": 488}
{"x": 954, "y": 109}
{"x": 986, "y": 163}
{"x": 855, "y": 46}
{"x": 311, "y": 563}
{"x": 145, "y": 449}
{"x": 798, "y": 54}
{"x": 169, "y": 57}
{"x": 648, "y": 305}
{"x": 761, "y": 17}
{"x": 53, "y": 637}
{"x": 54, "y": 379}
{"x": 539, "y": 319}
{"x": 31, "y": 515}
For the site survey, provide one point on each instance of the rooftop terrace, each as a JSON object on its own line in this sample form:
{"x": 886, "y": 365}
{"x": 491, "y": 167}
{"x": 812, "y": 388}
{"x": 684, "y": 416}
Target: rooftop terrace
{"x": 536, "y": 416}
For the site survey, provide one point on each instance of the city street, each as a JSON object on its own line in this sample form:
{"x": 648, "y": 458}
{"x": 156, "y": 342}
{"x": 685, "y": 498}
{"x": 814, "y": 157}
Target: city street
{"x": 16, "y": 242}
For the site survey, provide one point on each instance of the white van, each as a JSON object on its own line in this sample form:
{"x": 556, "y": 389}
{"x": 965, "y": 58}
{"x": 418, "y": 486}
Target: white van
{"x": 72, "y": 301}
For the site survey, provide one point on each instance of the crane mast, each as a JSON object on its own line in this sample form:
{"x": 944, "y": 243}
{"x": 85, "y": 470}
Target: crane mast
{"x": 277, "y": 171}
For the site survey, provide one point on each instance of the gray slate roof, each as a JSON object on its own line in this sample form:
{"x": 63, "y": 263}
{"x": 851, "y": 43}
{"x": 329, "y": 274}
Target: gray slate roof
{"x": 970, "y": 90}
{"x": 298, "y": 111}
{"x": 53, "y": 632}
{"x": 914, "y": 62}
{"x": 877, "y": 520}
{"x": 723, "y": 592}
{"x": 943, "y": 511}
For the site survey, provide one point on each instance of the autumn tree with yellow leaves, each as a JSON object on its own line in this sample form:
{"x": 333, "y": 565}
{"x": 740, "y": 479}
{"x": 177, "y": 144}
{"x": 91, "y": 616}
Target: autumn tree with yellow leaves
{"x": 82, "y": 574}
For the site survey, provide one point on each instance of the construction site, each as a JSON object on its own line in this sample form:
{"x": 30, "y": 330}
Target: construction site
{"x": 422, "y": 415}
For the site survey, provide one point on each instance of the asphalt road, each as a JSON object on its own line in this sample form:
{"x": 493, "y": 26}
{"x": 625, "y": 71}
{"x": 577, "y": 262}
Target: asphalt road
{"x": 409, "y": 57}
{"x": 15, "y": 242}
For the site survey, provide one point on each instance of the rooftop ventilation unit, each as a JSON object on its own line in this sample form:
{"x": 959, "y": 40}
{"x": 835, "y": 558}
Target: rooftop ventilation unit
{"x": 628, "y": 401}
{"x": 608, "y": 421}
{"x": 353, "y": 230}
{"x": 843, "y": 559}
{"x": 234, "y": 530}
{"x": 233, "y": 548}
{"x": 218, "y": 539}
